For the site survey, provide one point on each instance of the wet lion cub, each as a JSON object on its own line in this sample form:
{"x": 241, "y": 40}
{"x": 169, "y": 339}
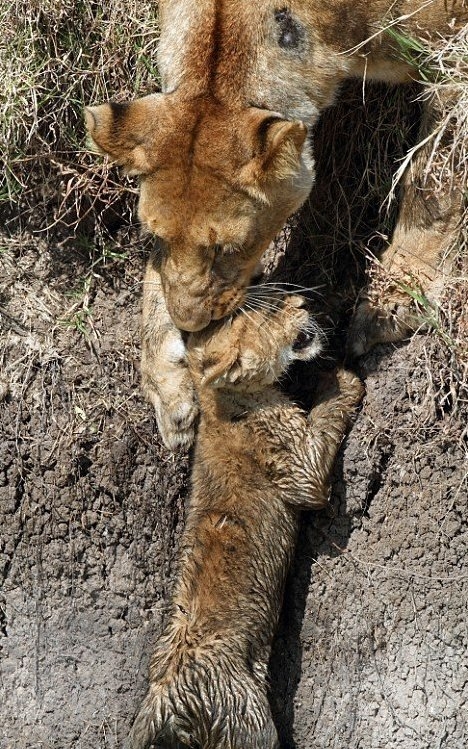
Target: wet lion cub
{"x": 259, "y": 459}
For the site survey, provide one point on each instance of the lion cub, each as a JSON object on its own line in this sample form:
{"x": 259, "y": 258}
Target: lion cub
{"x": 259, "y": 459}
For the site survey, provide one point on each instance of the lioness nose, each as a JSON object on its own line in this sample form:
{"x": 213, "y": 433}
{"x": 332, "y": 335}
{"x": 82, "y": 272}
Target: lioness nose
{"x": 189, "y": 317}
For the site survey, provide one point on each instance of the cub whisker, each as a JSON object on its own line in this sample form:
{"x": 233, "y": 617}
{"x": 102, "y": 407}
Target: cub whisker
{"x": 285, "y": 288}
{"x": 262, "y": 303}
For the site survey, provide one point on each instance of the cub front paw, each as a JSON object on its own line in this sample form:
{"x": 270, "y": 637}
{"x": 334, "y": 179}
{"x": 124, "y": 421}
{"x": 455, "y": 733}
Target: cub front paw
{"x": 351, "y": 389}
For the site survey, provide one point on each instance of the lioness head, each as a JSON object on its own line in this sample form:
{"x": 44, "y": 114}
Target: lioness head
{"x": 252, "y": 350}
{"x": 217, "y": 184}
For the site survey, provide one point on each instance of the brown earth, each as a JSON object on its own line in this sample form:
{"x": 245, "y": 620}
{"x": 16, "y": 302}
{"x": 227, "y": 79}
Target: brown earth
{"x": 371, "y": 650}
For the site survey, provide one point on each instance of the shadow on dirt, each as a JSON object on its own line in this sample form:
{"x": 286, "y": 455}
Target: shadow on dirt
{"x": 327, "y": 249}
{"x": 323, "y": 535}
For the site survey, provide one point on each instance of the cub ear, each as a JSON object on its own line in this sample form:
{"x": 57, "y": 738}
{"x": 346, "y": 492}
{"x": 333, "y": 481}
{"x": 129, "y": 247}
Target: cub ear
{"x": 277, "y": 149}
{"x": 125, "y": 132}
{"x": 221, "y": 368}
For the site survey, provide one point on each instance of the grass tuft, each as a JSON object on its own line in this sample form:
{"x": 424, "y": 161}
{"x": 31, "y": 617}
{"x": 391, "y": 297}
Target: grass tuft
{"x": 443, "y": 68}
{"x": 56, "y": 57}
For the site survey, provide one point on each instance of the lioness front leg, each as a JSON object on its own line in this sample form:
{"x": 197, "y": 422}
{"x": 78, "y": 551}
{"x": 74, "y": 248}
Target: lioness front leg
{"x": 314, "y": 452}
{"x": 413, "y": 267}
{"x": 166, "y": 381}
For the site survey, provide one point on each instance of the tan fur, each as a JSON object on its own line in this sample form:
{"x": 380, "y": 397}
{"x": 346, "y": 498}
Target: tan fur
{"x": 259, "y": 459}
{"x": 223, "y": 155}
{"x": 166, "y": 380}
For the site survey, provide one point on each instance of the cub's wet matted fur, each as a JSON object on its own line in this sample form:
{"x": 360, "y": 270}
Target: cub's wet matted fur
{"x": 259, "y": 459}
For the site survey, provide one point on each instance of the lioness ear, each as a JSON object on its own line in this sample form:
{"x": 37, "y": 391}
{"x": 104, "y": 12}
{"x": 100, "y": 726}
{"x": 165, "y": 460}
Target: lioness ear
{"x": 278, "y": 146}
{"x": 125, "y": 132}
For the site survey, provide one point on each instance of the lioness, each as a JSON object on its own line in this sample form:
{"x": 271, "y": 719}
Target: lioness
{"x": 224, "y": 159}
{"x": 259, "y": 459}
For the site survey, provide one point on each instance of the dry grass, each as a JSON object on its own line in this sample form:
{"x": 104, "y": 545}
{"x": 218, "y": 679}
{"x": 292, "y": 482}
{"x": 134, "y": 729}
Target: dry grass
{"x": 354, "y": 205}
{"x": 55, "y": 57}
{"x": 65, "y": 243}
{"x": 444, "y": 69}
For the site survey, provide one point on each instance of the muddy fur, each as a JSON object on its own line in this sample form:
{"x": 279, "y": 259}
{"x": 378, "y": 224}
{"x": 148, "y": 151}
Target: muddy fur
{"x": 259, "y": 460}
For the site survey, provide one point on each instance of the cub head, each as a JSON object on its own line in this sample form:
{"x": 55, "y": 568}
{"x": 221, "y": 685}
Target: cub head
{"x": 217, "y": 184}
{"x": 253, "y": 349}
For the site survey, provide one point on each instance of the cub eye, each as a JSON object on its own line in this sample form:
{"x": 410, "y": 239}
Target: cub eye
{"x": 160, "y": 245}
{"x": 224, "y": 249}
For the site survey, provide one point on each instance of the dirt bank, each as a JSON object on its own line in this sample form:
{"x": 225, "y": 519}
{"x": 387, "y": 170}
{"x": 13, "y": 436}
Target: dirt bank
{"x": 372, "y": 650}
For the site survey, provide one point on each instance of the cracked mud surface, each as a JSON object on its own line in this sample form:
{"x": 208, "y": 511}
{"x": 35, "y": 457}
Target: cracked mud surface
{"x": 382, "y": 632}
{"x": 372, "y": 645}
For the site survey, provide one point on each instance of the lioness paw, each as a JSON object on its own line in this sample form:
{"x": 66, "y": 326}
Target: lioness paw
{"x": 385, "y": 323}
{"x": 167, "y": 384}
{"x": 175, "y": 407}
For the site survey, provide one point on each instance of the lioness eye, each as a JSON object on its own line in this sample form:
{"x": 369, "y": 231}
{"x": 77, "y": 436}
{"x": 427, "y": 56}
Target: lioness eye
{"x": 230, "y": 249}
{"x": 224, "y": 249}
{"x": 290, "y": 32}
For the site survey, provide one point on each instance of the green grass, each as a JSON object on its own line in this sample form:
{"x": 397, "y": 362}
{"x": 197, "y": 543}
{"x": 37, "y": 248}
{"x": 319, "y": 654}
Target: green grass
{"x": 415, "y": 53}
{"x": 79, "y": 321}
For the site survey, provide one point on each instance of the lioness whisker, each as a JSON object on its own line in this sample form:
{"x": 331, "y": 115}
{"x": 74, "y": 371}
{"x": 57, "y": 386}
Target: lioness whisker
{"x": 243, "y": 309}
{"x": 272, "y": 297}
{"x": 261, "y": 313}
{"x": 268, "y": 298}
{"x": 264, "y": 306}
{"x": 274, "y": 283}
{"x": 263, "y": 319}
{"x": 312, "y": 328}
